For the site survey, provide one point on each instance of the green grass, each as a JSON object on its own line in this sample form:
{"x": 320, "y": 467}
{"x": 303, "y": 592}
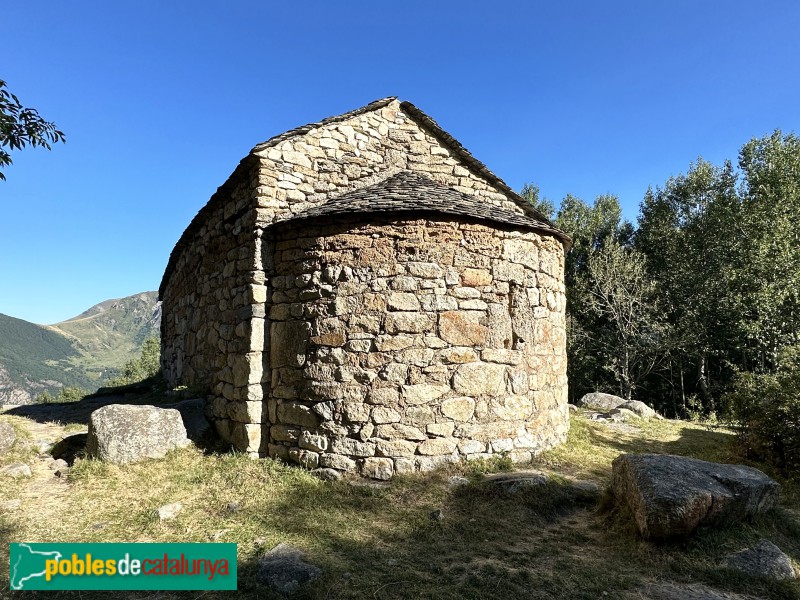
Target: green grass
{"x": 380, "y": 542}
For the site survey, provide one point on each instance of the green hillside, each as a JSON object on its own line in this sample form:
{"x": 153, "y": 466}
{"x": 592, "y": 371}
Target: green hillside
{"x": 111, "y": 333}
{"x": 34, "y": 359}
{"x": 83, "y": 352}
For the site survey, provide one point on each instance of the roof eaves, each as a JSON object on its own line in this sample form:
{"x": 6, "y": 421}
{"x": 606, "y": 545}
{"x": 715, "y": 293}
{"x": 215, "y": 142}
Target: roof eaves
{"x": 240, "y": 173}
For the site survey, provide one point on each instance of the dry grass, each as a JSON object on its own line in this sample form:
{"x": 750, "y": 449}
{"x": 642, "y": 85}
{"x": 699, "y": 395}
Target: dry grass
{"x": 548, "y": 542}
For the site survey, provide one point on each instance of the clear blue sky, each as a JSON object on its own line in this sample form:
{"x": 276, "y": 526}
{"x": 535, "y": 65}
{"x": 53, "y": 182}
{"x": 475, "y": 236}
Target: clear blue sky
{"x": 160, "y": 100}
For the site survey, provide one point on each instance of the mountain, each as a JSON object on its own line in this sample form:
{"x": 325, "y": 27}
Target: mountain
{"x": 83, "y": 352}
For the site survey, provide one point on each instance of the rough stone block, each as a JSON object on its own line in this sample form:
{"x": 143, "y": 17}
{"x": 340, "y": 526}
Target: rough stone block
{"x": 423, "y": 393}
{"x": 458, "y": 409}
{"x": 476, "y": 379}
{"x": 462, "y": 328}
{"x": 352, "y": 447}
{"x": 378, "y": 468}
{"x": 437, "y": 446}
{"x": 407, "y": 322}
{"x": 294, "y": 413}
{"x": 289, "y": 343}
{"x": 384, "y": 414}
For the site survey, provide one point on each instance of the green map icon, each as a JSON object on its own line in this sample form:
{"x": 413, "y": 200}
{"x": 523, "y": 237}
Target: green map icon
{"x": 27, "y": 564}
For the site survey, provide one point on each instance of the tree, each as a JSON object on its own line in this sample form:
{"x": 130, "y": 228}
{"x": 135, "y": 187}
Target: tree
{"x": 21, "y": 127}
{"x": 687, "y": 230}
{"x": 544, "y": 206}
{"x": 590, "y": 227}
{"x": 628, "y": 327}
{"x": 767, "y": 282}
{"x": 147, "y": 365}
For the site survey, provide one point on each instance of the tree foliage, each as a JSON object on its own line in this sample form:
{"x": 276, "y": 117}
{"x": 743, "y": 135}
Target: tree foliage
{"x": 21, "y": 127}
{"x": 147, "y": 365}
{"x": 766, "y": 407}
{"x": 531, "y": 193}
{"x": 702, "y": 294}
{"x": 622, "y": 300}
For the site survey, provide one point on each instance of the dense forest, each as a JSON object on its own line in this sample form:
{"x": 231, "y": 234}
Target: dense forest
{"x": 695, "y": 308}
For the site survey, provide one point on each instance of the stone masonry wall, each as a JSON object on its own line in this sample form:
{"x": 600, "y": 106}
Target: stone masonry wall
{"x": 213, "y": 307}
{"x": 222, "y": 290}
{"x": 396, "y": 346}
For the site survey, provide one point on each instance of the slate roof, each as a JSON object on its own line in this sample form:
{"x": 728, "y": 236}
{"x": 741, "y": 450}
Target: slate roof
{"x": 408, "y": 192}
{"x": 433, "y": 127}
{"x": 535, "y": 219}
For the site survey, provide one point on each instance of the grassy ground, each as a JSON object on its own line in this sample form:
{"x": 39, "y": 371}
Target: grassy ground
{"x": 381, "y": 542}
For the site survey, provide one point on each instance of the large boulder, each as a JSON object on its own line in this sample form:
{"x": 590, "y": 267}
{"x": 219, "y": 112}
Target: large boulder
{"x": 671, "y": 496}
{"x": 124, "y": 433}
{"x": 600, "y": 401}
{"x": 639, "y": 408}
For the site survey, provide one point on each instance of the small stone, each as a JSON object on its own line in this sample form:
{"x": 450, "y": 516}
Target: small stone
{"x": 233, "y": 507}
{"x": 169, "y": 511}
{"x": 436, "y": 515}
{"x": 327, "y": 474}
{"x": 58, "y": 463}
{"x": 17, "y": 470}
{"x": 283, "y": 570}
{"x": 7, "y": 437}
{"x": 457, "y": 481}
{"x": 218, "y": 534}
{"x": 42, "y": 446}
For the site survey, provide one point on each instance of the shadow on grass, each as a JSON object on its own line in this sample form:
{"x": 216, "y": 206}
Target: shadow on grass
{"x": 548, "y": 542}
{"x": 542, "y": 543}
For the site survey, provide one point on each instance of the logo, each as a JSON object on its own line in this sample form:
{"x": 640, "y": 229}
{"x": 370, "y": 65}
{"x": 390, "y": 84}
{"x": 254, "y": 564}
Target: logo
{"x": 122, "y": 566}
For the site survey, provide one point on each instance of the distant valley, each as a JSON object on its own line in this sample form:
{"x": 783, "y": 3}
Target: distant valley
{"x": 82, "y": 352}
